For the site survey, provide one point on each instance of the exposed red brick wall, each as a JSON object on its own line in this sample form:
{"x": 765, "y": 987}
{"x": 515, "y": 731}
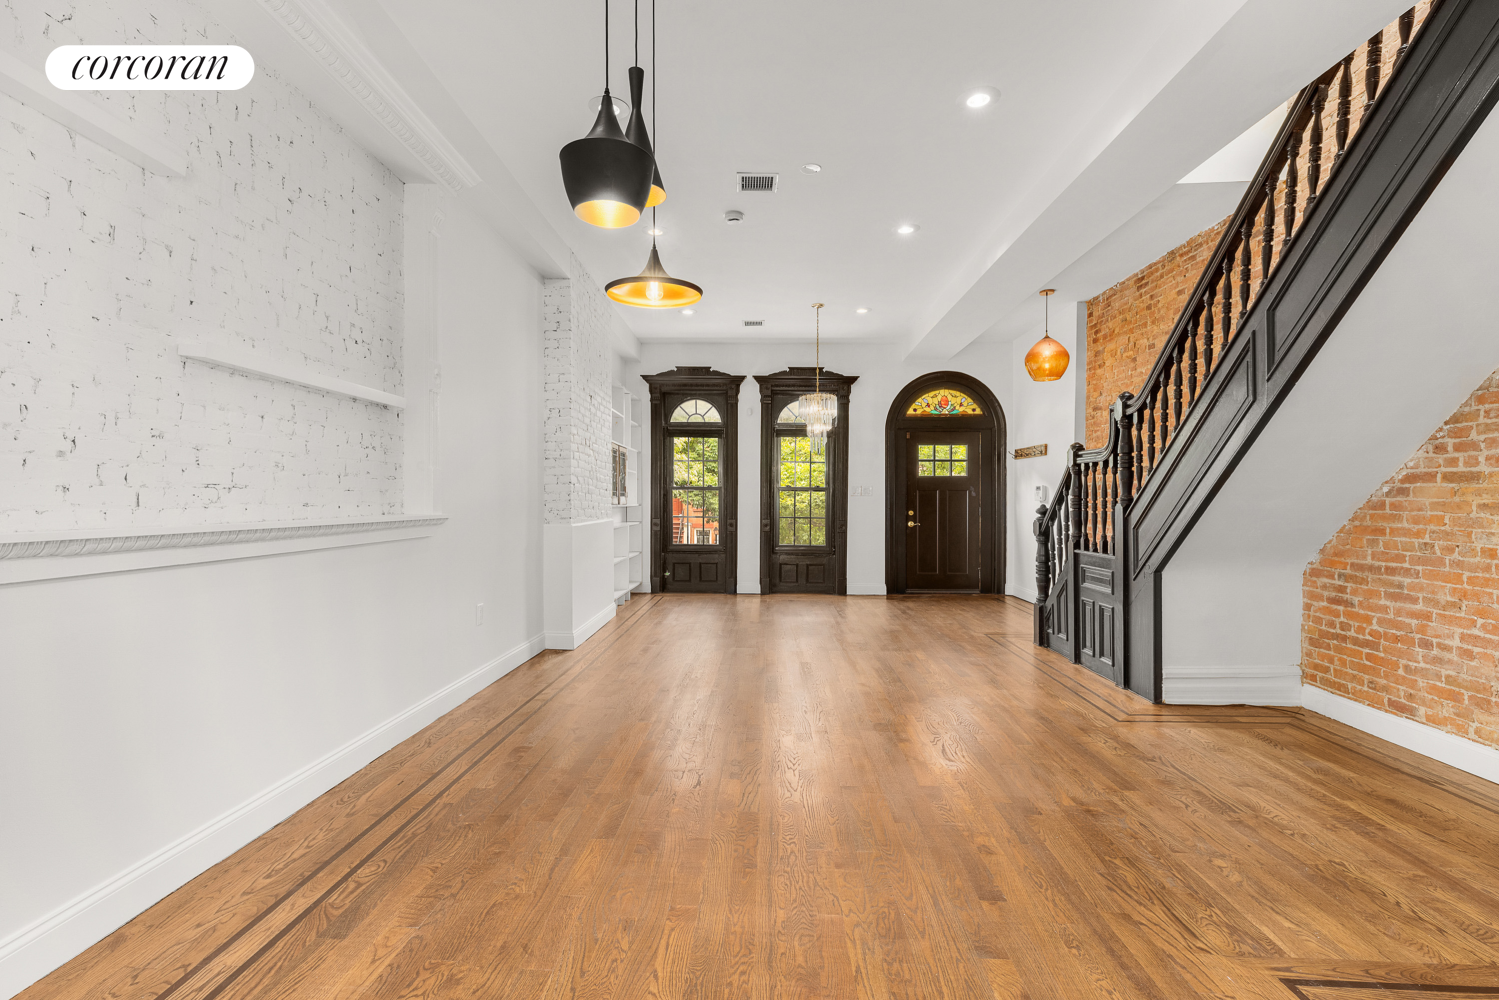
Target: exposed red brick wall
{"x": 1128, "y": 323}
{"x": 1401, "y": 608}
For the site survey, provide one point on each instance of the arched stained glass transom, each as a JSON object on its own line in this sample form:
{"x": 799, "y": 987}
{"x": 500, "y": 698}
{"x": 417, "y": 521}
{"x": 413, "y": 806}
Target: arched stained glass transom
{"x": 791, "y": 413}
{"x": 696, "y": 411}
{"x": 944, "y": 403}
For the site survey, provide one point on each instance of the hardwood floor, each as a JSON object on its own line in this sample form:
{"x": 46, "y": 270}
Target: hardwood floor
{"x": 747, "y": 798}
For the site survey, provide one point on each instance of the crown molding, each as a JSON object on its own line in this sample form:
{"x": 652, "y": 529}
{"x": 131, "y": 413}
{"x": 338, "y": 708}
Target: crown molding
{"x": 81, "y": 544}
{"x": 320, "y": 31}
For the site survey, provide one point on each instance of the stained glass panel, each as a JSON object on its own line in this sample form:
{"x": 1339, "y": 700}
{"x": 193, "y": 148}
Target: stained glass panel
{"x": 944, "y": 403}
{"x": 696, "y": 411}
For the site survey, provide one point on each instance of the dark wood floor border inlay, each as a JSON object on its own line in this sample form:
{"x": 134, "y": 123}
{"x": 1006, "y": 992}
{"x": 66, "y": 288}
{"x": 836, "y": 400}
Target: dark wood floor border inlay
{"x": 572, "y": 674}
{"x": 1296, "y": 985}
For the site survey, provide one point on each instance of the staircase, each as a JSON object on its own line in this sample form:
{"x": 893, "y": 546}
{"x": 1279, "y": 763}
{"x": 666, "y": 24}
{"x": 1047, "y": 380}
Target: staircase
{"x": 1339, "y": 186}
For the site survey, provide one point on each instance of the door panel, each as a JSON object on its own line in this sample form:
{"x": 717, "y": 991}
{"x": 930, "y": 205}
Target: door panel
{"x": 695, "y": 549}
{"x": 943, "y": 522}
{"x": 1098, "y": 621}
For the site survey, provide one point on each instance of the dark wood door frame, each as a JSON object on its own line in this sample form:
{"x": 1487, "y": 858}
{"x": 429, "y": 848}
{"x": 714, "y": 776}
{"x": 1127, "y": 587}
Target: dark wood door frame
{"x": 775, "y": 392}
{"x": 722, "y": 390}
{"x": 992, "y": 435}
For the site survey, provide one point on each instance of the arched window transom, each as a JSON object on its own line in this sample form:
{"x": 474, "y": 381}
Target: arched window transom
{"x": 696, "y": 411}
{"x": 944, "y": 403}
{"x": 791, "y": 413}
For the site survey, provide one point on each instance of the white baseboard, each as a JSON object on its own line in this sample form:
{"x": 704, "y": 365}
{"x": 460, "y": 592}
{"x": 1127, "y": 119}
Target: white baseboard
{"x": 866, "y": 589}
{"x": 1475, "y": 758}
{"x": 48, "y": 942}
{"x": 1022, "y": 593}
{"x": 1265, "y": 685}
{"x": 580, "y": 635}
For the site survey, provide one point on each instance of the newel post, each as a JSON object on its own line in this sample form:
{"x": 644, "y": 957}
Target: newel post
{"x": 1043, "y": 572}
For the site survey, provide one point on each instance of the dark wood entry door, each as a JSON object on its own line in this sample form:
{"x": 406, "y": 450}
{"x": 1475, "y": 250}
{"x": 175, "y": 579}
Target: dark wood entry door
{"x": 944, "y": 493}
{"x": 696, "y": 551}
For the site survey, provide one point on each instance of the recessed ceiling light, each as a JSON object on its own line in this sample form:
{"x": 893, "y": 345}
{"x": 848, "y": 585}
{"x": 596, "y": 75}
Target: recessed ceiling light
{"x": 621, "y": 106}
{"x": 688, "y": 312}
{"x": 654, "y": 232}
{"x": 906, "y": 228}
{"x": 980, "y": 97}
{"x": 811, "y": 168}
{"x": 861, "y": 310}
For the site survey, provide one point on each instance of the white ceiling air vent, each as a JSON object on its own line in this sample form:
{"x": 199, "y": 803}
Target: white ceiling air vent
{"x": 761, "y": 183}
{"x": 754, "y": 322}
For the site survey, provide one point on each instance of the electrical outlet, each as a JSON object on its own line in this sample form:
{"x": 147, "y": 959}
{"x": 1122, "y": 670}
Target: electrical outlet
{"x": 478, "y": 614}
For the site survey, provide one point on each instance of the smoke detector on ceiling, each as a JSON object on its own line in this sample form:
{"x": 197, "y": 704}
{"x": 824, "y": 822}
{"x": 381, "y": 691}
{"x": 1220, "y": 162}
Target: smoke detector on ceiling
{"x": 758, "y": 181}
{"x": 754, "y": 322}
{"x": 733, "y": 216}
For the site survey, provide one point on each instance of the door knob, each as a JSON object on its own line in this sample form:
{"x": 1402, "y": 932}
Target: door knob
{"x": 912, "y": 524}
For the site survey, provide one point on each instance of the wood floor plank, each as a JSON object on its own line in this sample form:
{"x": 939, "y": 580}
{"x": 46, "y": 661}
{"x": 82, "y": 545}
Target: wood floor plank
{"x": 809, "y": 797}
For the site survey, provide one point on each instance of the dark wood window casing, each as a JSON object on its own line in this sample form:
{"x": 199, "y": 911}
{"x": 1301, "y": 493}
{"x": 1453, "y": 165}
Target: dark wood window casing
{"x": 697, "y": 550}
{"x": 788, "y": 566}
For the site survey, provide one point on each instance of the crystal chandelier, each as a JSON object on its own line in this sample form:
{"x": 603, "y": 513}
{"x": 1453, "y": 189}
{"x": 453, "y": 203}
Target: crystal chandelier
{"x": 819, "y": 409}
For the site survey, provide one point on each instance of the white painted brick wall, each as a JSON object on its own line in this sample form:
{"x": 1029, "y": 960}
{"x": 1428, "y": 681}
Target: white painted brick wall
{"x": 284, "y": 238}
{"x": 577, "y": 392}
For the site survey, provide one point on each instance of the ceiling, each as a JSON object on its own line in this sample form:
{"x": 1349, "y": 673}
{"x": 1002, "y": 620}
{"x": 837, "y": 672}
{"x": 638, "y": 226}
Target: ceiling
{"x": 1069, "y": 173}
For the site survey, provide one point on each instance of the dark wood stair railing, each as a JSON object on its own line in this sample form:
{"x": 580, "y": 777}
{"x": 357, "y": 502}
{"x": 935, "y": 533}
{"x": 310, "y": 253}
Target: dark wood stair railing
{"x": 1331, "y": 197}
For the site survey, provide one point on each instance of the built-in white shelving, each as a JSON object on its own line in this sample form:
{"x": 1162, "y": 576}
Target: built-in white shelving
{"x": 627, "y": 421}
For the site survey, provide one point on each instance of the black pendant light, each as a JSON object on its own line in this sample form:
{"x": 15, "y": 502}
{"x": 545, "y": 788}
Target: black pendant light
{"x": 653, "y": 288}
{"x": 636, "y": 130}
{"x": 607, "y": 177}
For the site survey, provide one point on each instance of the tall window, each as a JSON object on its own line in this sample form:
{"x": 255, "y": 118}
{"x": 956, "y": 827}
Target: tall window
{"x": 801, "y": 483}
{"x": 694, "y": 490}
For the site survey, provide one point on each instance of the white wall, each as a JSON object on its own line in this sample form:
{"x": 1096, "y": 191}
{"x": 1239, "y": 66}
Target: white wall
{"x": 1043, "y": 413}
{"x": 1411, "y": 349}
{"x": 284, "y": 238}
{"x": 881, "y": 377}
{"x": 151, "y": 722}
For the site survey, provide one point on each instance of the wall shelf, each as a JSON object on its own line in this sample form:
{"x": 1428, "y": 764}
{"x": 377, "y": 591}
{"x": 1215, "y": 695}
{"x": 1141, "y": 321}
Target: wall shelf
{"x": 250, "y": 363}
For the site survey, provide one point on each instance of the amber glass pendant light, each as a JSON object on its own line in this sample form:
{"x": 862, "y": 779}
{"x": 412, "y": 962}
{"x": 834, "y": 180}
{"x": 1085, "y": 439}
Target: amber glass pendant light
{"x": 1047, "y": 361}
{"x": 819, "y": 409}
{"x": 607, "y": 177}
{"x": 636, "y": 131}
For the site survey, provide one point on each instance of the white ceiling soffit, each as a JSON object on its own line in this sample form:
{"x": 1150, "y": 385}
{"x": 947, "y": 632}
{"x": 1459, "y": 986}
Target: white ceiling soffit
{"x": 1238, "y": 161}
{"x": 1256, "y": 60}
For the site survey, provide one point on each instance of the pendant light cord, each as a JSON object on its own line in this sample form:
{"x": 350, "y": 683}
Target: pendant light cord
{"x": 817, "y": 369}
{"x": 637, "y": 32}
{"x": 606, "y": 46}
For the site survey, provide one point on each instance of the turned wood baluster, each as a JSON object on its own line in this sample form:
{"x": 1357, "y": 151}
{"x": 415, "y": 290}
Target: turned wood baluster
{"x": 1371, "y": 73}
{"x": 1246, "y": 237}
{"x": 1292, "y": 152}
{"x": 1137, "y": 468}
{"x": 1176, "y": 390}
{"x": 1226, "y": 300}
{"x": 1407, "y": 22}
{"x": 1148, "y": 465}
{"x": 1126, "y": 449}
{"x": 1192, "y": 359}
{"x": 1314, "y": 151}
{"x": 1093, "y": 507}
{"x": 1267, "y": 238}
{"x": 1345, "y": 97}
{"x": 1075, "y": 502}
{"x": 1207, "y": 334}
